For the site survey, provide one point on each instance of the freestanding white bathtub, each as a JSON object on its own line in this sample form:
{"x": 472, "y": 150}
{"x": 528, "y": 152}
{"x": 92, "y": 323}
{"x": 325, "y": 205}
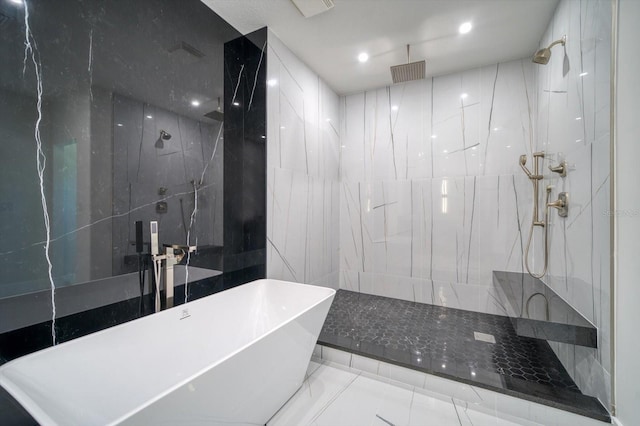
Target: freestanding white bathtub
{"x": 233, "y": 358}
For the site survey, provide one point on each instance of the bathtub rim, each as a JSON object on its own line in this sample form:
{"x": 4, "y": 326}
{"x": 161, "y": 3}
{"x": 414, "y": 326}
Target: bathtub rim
{"x": 40, "y": 415}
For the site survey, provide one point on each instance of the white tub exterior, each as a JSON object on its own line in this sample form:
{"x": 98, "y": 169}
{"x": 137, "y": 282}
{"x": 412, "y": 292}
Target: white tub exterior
{"x": 231, "y": 358}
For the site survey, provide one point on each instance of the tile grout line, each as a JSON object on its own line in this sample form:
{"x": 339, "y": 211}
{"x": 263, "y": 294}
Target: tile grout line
{"x": 456, "y": 409}
{"x": 332, "y": 400}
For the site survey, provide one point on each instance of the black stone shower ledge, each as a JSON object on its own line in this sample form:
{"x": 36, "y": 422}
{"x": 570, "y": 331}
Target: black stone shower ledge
{"x": 441, "y": 341}
{"x": 547, "y": 317}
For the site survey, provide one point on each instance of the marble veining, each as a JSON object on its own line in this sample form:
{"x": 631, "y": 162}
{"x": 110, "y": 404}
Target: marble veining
{"x": 41, "y": 158}
{"x": 303, "y": 191}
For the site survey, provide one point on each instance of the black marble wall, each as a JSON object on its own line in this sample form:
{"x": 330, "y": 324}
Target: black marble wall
{"x": 245, "y": 158}
{"x": 163, "y": 55}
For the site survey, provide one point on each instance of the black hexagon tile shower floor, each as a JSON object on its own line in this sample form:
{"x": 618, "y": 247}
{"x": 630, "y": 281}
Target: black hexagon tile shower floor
{"x": 472, "y": 347}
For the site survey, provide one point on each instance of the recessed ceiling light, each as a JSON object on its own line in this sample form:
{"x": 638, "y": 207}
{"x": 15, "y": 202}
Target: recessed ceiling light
{"x": 236, "y": 104}
{"x": 328, "y": 120}
{"x": 445, "y": 151}
{"x": 195, "y": 103}
{"x": 394, "y": 107}
{"x": 434, "y": 136}
{"x": 363, "y": 57}
{"x": 582, "y": 74}
{"x": 149, "y": 116}
{"x": 272, "y": 82}
{"x": 578, "y": 118}
{"x": 464, "y": 96}
{"x": 465, "y": 28}
{"x": 119, "y": 124}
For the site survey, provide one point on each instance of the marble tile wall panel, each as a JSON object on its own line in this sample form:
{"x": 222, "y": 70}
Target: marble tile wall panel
{"x": 465, "y": 124}
{"x": 471, "y": 297}
{"x": 303, "y": 191}
{"x": 447, "y": 229}
{"x": 573, "y": 118}
{"x": 428, "y": 173}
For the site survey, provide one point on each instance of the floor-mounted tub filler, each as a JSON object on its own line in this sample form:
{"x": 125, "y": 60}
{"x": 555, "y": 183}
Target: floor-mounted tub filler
{"x": 231, "y": 358}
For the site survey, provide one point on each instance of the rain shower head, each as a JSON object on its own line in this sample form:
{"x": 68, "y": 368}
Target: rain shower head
{"x": 408, "y": 72}
{"x": 543, "y": 55}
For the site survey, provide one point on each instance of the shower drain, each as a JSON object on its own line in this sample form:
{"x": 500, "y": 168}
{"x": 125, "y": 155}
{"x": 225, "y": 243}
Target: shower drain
{"x": 484, "y": 337}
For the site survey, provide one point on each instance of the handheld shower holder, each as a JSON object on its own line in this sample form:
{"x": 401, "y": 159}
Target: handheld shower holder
{"x": 561, "y": 204}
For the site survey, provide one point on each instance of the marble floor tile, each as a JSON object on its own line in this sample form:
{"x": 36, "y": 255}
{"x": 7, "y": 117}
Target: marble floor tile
{"x": 336, "y": 395}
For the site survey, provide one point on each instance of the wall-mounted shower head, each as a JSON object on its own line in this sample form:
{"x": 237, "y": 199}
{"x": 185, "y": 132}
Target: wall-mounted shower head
{"x": 543, "y": 55}
{"x": 164, "y": 135}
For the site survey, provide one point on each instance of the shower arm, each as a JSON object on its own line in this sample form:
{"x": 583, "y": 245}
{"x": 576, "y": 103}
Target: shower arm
{"x": 562, "y": 41}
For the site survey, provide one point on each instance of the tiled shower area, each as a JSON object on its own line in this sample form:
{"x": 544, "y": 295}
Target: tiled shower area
{"x": 424, "y": 182}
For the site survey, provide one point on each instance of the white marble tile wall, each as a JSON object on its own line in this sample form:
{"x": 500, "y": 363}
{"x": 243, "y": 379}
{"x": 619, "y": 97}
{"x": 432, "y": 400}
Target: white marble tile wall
{"x": 431, "y": 189}
{"x": 302, "y": 171}
{"x": 573, "y": 120}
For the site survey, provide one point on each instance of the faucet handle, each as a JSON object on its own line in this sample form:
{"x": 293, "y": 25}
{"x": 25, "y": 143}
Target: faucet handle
{"x": 562, "y": 204}
{"x": 184, "y": 248}
{"x": 561, "y": 169}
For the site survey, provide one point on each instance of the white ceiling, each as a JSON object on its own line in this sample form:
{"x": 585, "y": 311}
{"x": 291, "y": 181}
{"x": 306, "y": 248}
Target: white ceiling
{"x": 330, "y": 42}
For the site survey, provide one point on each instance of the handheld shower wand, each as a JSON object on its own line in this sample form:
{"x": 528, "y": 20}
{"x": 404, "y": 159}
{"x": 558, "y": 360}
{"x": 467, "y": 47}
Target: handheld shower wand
{"x": 561, "y": 204}
{"x": 523, "y": 162}
{"x": 535, "y": 178}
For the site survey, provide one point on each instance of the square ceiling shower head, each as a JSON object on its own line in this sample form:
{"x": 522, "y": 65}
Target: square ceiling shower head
{"x": 408, "y": 72}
